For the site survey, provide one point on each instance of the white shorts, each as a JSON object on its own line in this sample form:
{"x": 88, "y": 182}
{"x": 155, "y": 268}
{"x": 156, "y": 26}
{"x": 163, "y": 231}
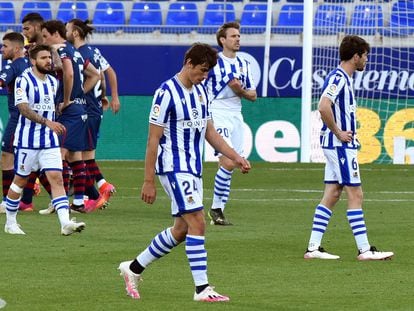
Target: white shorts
{"x": 342, "y": 167}
{"x": 185, "y": 191}
{"x": 230, "y": 126}
{"x": 32, "y": 160}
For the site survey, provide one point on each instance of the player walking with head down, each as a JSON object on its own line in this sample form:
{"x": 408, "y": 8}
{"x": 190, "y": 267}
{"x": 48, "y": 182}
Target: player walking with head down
{"x": 179, "y": 124}
{"x": 229, "y": 82}
{"x": 339, "y": 142}
{"x": 36, "y": 141}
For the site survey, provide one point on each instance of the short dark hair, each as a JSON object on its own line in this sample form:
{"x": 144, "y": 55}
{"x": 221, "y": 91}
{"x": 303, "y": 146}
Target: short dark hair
{"x": 222, "y": 32}
{"x": 34, "y": 50}
{"x": 83, "y": 27}
{"x": 14, "y": 37}
{"x": 55, "y": 25}
{"x": 200, "y": 54}
{"x": 352, "y": 45}
{"x": 33, "y": 17}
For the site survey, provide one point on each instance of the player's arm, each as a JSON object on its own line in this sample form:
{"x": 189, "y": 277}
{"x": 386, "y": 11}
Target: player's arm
{"x": 67, "y": 82}
{"x": 92, "y": 77}
{"x": 30, "y": 114}
{"x": 148, "y": 192}
{"x": 219, "y": 144}
{"x": 325, "y": 109}
{"x": 238, "y": 89}
{"x": 113, "y": 84}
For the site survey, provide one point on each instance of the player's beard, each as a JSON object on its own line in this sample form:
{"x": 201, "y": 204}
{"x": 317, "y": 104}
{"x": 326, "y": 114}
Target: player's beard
{"x": 44, "y": 70}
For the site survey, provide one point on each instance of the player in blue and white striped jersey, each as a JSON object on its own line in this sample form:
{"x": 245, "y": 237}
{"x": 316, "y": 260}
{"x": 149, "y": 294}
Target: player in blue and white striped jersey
{"x": 339, "y": 142}
{"x": 179, "y": 124}
{"x": 12, "y": 50}
{"x": 36, "y": 141}
{"x": 228, "y": 83}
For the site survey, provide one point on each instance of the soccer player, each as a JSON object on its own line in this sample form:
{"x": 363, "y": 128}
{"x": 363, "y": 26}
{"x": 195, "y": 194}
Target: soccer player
{"x": 179, "y": 124}
{"x": 32, "y": 30}
{"x": 71, "y": 104}
{"x": 77, "y": 31}
{"x": 36, "y": 141}
{"x": 338, "y": 106}
{"x": 12, "y": 50}
{"x": 229, "y": 82}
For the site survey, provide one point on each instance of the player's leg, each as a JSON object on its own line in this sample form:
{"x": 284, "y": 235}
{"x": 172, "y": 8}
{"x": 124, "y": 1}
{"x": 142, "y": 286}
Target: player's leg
{"x": 222, "y": 180}
{"x": 51, "y": 165}
{"x": 25, "y": 162}
{"x": 105, "y": 188}
{"x": 324, "y": 209}
{"x": 355, "y": 215}
{"x": 95, "y": 199}
{"x": 7, "y": 158}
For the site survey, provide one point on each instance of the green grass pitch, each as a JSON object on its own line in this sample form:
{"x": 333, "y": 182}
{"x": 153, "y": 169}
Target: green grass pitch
{"x": 258, "y": 262}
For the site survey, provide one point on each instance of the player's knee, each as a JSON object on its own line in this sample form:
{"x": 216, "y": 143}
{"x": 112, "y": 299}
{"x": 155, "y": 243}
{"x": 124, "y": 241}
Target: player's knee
{"x": 15, "y": 188}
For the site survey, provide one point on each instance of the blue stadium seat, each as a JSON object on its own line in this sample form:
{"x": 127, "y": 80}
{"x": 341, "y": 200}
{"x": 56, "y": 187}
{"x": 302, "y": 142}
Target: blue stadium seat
{"x": 367, "y": 19}
{"x": 43, "y": 8}
{"x": 109, "y": 16}
{"x": 7, "y": 16}
{"x": 72, "y": 9}
{"x": 145, "y": 16}
{"x": 290, "y": 19}
{"x": 228, "y": 0}
{"x": 182, "y": 17}
{"x": 338, "y": 1}
{"x": 253, "y": 19}
{"x": 297, "y": 1}
{"x": 401, "y": 19}
{"x": 329, "y": 19}
{"x": 217, "y": 14}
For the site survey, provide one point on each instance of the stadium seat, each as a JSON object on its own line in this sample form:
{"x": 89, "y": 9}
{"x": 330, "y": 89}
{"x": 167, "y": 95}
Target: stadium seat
{"x": 182, "y": 17}
{"x": 109, "y": 16}
{"x": 338, "y": 1}
{"x": 7, "y": 16}
{"x": 401, "y": 19}
{"x": 253, "y": 19}
{"x": 297, "y": 1}
{"x": 216, "y": 14}
{"x": 72, "y": 9}
{"x": 228, "y": 0}
{"x": 290, "y": 19}
{"x": 145, "y": 16}
{"x": 367, "y": 19}
{"x": 43, "y": 8}
{"x": 329, "y": 19}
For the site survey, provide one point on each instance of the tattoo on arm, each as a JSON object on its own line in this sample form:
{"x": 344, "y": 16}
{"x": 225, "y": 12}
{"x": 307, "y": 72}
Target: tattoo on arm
{"x": 28, "y": 113}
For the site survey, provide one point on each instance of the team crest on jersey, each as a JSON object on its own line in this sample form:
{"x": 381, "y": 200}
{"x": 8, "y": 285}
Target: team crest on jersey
{"x": 332, "y": 89}
{"x": 190, "y": 200}
{"x": 355, "y": 174}
{"x": 22, "y": 167}
{"x": 19, "y": 91}
{"x": 200, "y": 98}
{"x": 156, "y": 110}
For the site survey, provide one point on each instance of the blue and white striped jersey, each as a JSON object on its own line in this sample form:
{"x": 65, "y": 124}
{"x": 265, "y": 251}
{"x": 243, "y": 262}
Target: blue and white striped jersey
{"x": 40, "y": 96}
{"x": 338, "y": 87}
{"x": 9, "y": 74}
{"x": 183, "y": 113}
{"x": 226, "y": 70}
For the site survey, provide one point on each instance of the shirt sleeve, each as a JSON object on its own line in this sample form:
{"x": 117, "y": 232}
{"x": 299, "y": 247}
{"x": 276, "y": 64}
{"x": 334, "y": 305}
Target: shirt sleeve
{"x": 20, "y": 93}
{"x": 160, "y": 107}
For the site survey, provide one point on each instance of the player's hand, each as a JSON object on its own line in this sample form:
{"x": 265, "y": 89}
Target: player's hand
{"x": 61, "y": 107}
{"x": 115, "y": 105}
{"x": 56, "y": 127}
{"x": 105, "y": 103}
{"x": 148, "y": 192}
{"x": 244, "y": 165}
{"x": 345, "y": 136}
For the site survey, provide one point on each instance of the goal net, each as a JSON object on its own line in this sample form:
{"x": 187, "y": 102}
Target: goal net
{"x": 385, "y": 90}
